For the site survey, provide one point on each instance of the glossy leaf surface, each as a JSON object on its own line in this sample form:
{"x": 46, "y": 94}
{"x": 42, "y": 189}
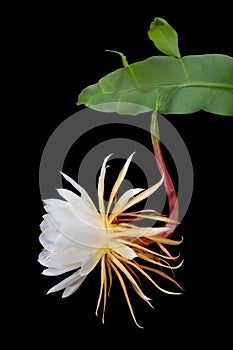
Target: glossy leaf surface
{"x": 166, "y": 84}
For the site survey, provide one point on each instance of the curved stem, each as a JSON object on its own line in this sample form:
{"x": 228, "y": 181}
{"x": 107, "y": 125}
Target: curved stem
{"x": 169, "y": 187}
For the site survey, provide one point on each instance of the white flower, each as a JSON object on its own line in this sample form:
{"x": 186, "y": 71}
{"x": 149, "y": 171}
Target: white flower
{"x": 76, "y": 236}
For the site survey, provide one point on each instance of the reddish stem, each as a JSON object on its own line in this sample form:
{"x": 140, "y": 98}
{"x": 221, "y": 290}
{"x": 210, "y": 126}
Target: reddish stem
{"x": 168, "y": 184}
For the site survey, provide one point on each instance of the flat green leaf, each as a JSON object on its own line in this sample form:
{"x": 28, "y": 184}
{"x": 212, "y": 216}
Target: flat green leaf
{"x": 167, "y": 85}
{"x": 164, "y": 37}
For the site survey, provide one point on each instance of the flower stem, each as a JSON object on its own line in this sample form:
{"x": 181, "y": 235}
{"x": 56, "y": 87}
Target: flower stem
{"x": 168, "y": 184}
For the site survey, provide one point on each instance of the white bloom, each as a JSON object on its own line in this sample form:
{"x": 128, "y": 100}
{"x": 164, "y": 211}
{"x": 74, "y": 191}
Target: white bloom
{"x": 76, "y": 236}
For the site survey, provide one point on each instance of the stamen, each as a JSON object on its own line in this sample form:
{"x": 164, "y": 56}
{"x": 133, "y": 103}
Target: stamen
{"x": 125, "y": 292}
{"x": 105, "y": 286}
{"x": 141, "y": 267}
{"x": 101, "y": 285}
{"x": 115, "y": 258}
{"x": 147, "y": 250}
{"x": 152, "y": 261}
{"x": 165, "y": 276}
{"x": 109, "y": 275}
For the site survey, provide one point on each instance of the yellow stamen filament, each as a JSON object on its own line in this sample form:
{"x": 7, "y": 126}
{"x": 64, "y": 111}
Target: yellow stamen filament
{"x": 165, "y": 250}
{"x": 140, "y": 268}
{"x": 109, "y": 275}
{"x": 152, "y": 261}
{"x": 105, "y": 286}
{"x": 132, "y": 271}
{"x": 102, "y": 282}
{"x": 146, "y": 250}
{"x": 136, "y": 217}
{"x": 128, "y": 275}
{"x": 165, "y": 240}
{"x": 125, "y": 292}
{"x": 163, "y": 275}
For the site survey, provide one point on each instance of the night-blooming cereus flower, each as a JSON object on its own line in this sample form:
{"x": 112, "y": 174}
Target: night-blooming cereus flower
{"x": 77, "y": 236}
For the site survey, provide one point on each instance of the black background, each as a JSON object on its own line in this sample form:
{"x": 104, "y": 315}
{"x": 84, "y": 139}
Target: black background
{"x": 61, "y": 51}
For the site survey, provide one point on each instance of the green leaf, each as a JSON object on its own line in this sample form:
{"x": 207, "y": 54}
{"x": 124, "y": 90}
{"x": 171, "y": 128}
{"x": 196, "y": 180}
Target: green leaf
{"x": 167, "y": 85}
{"x": 164, "y": 37}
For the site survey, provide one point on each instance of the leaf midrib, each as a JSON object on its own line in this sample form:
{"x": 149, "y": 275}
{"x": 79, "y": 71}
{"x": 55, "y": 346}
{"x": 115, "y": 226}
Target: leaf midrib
{"x": 180, "y": 85}
{"x": 171, "y": 48}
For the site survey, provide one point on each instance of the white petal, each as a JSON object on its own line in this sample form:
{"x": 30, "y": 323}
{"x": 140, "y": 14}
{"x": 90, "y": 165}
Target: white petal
{"x": 66, "y": 282}
{"x": 89, "y": 217}
{"x": 119, "y": 180}
{"x": 90, "y": 263}
{"x": 45, "y": 259}
{"x": 127, "y": 252}
{"x": 47, "y": 222}
{"x": 43, "y": 225}
{"x": 101, "y": 185}
{"x": 48, "y": 237}
{"x": 80, "y": 209}
{"x": 61, "y": 216}
{"x": 53, "y": 204}
{"x": 139, "y": 232}
{"x": 64, "y": 254}
{"x": 55, "y": 272}
{"x": 83, "y": 235}
{"x": 80, "y": 189}
{"x": 143, "y": 195}
{"x": 71, "y": 255}
{"x": 73, "y": 287}
{"x": 123, "y": 200}
{"x": 63, "y": 243}
{"x": 70, "y": 196}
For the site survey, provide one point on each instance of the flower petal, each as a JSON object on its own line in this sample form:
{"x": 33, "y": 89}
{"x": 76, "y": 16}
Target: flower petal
{"x": 90, "y": 262}
{"x": 127, "y": 252}
{"x": 47, "y": 222}
{"x": 83, "y": 235}
{"x": 141, "y": 196}
{"x": 48, "y": 237}
{"x": 61, "y": 216}
{"x": 123, "y": 200}
{"x": 73, "y": 287}
{"x": 119, "y": 180}
{"x": 69, "y": 213}
{"x": 71, "y": 255}
{"x": 75, "y": 277}
{"x": 80, "y": 209}
{"x": 80, "y": 189}
{"x": 45, "y": 259}
{"x": 64, "y": 256}
{"x": 55, "y": 272}
{"x": 64, "y": 242}
{"x": 53, "y": 204}
{"x": 70, "y": 196}
{"x": 139, "y": 232}
{"x": 101, "y": 186}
